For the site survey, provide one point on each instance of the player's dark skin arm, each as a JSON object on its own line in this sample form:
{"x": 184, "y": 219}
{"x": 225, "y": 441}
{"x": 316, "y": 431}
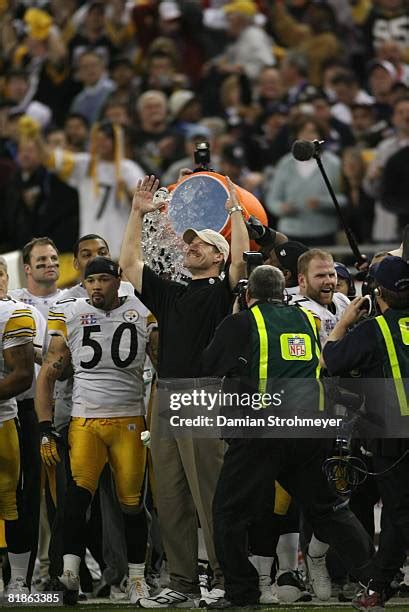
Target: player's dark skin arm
{"x": 55, "y": 363}
{"x": 19, "y": 361}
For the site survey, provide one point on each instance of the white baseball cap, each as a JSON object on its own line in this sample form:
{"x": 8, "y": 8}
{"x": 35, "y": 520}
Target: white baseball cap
{"x": 210, "y": 237}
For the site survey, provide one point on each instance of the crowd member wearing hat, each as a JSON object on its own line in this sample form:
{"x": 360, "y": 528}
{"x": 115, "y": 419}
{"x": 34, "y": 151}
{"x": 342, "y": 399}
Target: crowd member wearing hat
{"x": 43, "y": 52}
{"x": 252, "y": 46}
{"x": 378, "y": 348}
{"x": 186, "y": 470}
{"x": 381, "y": 76}
{"x": 285, "y": 256}
{"x": 185, "y": 110}
{"x": 345, "y": 282}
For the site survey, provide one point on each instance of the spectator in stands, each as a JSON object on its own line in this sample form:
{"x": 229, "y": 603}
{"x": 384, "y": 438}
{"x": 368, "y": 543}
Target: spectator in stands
{"x": 294, "y": 73}
{"x": 337, "y": 133}
{"x": 233, "y": 162}
{"x": 269, "y": 88}
{"x": 346, "y": 91}
{"x": 298, "y": 196}
{"x": 97, "y": 86}
{"x": 385, "y": 222}
{"x": 18, "y": 89}
{"x": 155, "y": 145}
{"x": 116, "y": 112}
{"x": 194, "y": 135}
{"x": 314, "y": 38}
{"x": 185, "y": 110}
{"x": 123, "y": 76}
{"x": 183, "y": 29}
{"x": 387, "y": 20}
{"x": 92, "y": 35}
{"x": 391, "y": 51}
{"x": 381, "y": 77}
{"x": 161, "y": 68}
{"x": 37, "y": 203}
{"x": 367, "y": 130}
{"x": 55, "y": 138}
{"x": 43, "y": 54}
{"x": 252, "y": 47}
{"x": 76, "y": 129}
{"x": 260, "y": 144}
{"x": 360, "y": 206}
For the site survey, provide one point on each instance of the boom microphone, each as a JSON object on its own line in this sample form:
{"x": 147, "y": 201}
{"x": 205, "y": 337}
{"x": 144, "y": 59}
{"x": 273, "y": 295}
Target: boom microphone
{"x": 303, "y": 150}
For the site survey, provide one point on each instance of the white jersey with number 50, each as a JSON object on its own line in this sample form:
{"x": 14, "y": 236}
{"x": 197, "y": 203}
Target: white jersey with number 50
{"x": 108, "y": 355}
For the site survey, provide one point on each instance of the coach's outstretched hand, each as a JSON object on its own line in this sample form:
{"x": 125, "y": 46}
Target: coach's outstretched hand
{"x": 143, "y": 197}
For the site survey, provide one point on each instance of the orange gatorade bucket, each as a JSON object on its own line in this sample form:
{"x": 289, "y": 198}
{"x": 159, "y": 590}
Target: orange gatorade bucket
{"x": 198, "y": 201}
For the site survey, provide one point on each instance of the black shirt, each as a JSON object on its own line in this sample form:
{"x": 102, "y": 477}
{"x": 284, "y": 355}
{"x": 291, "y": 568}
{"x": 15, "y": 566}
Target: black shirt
{"x": 187, "y": 316}
{"x": 230, "y": 352}
{"x": 358, "y": 349}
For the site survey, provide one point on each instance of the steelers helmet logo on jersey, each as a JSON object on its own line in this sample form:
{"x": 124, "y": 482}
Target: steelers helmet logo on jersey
{"x": 296, "y": 347}
{"x": 131, "y": 316}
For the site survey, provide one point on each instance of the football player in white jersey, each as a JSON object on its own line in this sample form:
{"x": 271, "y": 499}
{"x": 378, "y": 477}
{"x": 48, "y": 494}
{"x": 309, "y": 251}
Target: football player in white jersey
{"x": 105, "y": 337}
{"x": 30, "y": 457}
{"x": 17, "y": 330}
{"x": 42, "y": 270}
{"x": 85, "y": 249}
{"x": 105, "y": 181}
{"x": 317, "y": 280}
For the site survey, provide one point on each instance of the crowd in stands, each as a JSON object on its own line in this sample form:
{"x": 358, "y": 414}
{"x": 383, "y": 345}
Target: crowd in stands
{"x": 247, "y": 76}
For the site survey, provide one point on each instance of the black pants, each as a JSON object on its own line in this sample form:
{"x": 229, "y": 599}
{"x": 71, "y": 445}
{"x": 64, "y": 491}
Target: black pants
{"x": 394, "y": 489}
{"x": 56, "y": 519}
{"x": 31, "y": 474}
{"x": 245, "y": 488}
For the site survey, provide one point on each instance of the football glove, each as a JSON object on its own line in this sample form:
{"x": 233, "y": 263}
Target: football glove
{"x": 49, "y": 443}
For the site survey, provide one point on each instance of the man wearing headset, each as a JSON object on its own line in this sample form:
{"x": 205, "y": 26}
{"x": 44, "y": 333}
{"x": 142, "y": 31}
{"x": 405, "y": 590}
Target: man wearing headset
{"x": 378, "y": 348}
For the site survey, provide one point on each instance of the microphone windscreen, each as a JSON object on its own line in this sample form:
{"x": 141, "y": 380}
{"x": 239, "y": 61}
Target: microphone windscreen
{"x": 303, "y": 150}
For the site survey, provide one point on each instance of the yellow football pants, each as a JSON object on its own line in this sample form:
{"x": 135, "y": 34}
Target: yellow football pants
{"x": 9, "y": 469}
{"x": 93, "y": 442}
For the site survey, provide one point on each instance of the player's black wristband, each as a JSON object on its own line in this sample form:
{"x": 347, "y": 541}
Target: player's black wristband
{"x": 47, "y": 430}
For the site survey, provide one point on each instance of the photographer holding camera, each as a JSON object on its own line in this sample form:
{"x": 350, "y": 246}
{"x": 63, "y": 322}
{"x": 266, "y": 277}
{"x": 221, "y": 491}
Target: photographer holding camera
{"x": 378, "y": 348}
{"x": 255, "y": 345}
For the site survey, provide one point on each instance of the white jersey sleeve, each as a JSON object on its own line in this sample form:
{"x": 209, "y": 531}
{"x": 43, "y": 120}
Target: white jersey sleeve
{"x": 39, "y": 341}
{"x": 17, "y": 327}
